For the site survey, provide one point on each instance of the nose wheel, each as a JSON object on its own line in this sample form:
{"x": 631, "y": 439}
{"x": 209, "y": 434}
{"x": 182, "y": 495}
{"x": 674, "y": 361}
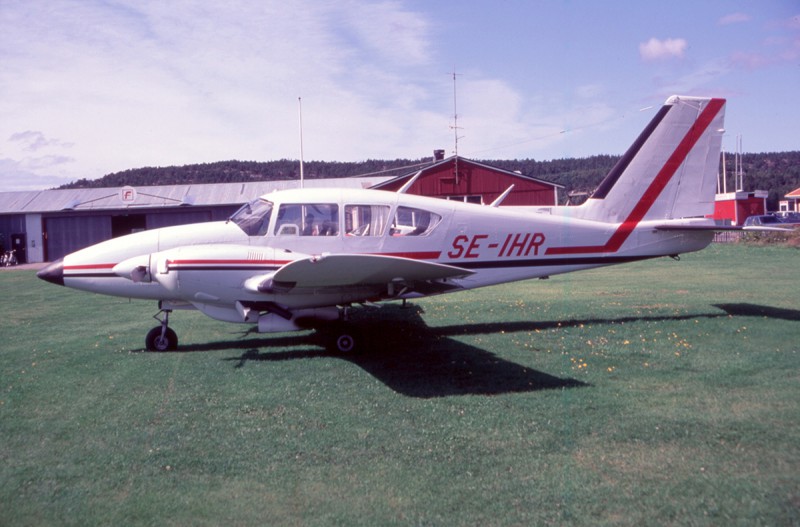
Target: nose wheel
{"x": 161, "y": 338}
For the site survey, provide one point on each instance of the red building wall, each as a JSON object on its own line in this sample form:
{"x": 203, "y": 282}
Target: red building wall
{"x": 738, "y": 210}
{"x": 725, "y": 210}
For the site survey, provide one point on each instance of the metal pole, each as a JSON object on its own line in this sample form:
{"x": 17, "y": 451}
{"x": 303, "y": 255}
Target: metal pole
{"x": 300, "y": 113}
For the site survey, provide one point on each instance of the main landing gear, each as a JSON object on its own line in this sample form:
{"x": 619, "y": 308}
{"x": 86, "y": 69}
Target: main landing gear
{"x": 161, "y": 338}
{"x": 340, "y": 337}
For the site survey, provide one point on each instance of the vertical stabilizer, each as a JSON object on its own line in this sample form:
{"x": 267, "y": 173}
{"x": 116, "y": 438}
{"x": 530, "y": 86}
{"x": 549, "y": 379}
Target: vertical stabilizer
{"x": 669, "y": 172}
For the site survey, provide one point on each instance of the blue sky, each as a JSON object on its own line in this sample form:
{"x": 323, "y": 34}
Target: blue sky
{"x": 92, "y": 87}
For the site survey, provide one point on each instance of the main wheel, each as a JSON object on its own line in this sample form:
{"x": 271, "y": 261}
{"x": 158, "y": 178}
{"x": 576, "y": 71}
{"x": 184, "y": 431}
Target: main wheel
{"x": 345, "y": 343}
{"x": 343, "y": 340}
{"x": 155, "y": 342}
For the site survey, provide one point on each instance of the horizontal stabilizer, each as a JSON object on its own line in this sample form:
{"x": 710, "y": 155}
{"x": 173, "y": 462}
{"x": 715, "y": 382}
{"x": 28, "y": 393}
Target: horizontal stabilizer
{"x": 695, "y": 228}
{"x": 720, "y": 228}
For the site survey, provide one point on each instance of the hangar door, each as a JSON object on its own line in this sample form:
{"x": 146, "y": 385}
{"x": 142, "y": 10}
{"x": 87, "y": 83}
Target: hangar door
{"x": 67, "y": 234}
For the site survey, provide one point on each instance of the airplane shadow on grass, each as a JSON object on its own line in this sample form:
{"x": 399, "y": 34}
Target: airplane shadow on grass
{"x": 416, "y": 361}
{"x": 427, "y": 368}
{"x": 401, "y": 351}
{"x": 409, "y": 357}
{"x": 755, "y": 310}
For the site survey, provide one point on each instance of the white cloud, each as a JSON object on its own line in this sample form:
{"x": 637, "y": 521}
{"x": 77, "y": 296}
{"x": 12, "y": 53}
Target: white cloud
{"x": 703, "y": 79}
{"x": 734, "y": 18}
{"x": 32, "y": 173}
{"x": 750, "y": 61}
{"x": 100, "y": 86}
{"x": 32, "y": 141}
{"x": 655, "y": 49}
{"x": 132, "y": 83}
{"x": 395, "y": 33}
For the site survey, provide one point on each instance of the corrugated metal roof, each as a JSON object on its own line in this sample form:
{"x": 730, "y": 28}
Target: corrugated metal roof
{"x": 161, "y": 196}
{"x": 16, "y": 201}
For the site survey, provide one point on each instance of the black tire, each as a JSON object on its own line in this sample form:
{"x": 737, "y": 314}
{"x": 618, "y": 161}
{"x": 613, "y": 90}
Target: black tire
{"x": 155, "y": 342}
{"x": 344, "y": 341}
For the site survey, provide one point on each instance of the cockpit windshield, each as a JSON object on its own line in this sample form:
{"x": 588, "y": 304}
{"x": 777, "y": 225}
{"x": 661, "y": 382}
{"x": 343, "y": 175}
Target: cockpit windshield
{"x": 253, "y": 218}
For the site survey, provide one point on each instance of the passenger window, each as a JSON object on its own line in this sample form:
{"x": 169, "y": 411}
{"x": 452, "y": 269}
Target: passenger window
{"x": 414, "y": 222}
{"x": 320, "y": 219}
{"x": 365, "y": 220}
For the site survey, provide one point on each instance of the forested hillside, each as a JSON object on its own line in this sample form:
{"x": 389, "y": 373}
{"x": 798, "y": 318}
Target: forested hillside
{"x": 778, "y": 172}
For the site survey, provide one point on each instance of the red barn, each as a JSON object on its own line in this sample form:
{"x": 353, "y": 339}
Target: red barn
{"x": 465, "y": 180}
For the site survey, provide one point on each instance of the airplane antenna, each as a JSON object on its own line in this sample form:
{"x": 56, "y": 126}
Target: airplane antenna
{"x": 300, "y": 115}
{"x": 404, "y": 188}
{"x": 501, "y": 197}
{"x": 455, "y": 126}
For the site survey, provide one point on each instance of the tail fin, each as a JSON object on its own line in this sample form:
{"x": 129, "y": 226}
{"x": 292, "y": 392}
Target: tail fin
{"x": 669, "y": 172}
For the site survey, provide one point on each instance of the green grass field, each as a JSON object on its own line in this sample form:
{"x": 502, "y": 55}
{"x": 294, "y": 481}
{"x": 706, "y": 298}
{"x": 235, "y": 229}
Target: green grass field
{"x": 656, "y": 393}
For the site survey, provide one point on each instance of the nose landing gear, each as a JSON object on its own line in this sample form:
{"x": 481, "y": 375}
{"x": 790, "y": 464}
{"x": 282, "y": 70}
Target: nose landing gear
{"x": 161, "y": 338}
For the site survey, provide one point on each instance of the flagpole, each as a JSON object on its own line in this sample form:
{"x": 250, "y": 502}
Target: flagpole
{"x": 300, "y": 114}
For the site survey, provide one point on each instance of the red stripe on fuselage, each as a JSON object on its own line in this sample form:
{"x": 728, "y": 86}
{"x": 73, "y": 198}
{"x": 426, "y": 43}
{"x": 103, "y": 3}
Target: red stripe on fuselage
{"x": 655, "y": 188}
{"x": 228, "y": 262}
{"x": 419, "y": 255}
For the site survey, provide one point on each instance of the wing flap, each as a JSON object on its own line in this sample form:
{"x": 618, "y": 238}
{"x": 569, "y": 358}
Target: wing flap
{"x": 343, "y": 270}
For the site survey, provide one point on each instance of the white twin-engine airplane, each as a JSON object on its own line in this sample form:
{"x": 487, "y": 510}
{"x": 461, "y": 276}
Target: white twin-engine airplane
{"x": 298, "y": 259}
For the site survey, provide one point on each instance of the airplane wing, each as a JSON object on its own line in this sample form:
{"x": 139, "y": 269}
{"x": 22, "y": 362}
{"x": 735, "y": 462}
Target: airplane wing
{"x": 353, "y": 270}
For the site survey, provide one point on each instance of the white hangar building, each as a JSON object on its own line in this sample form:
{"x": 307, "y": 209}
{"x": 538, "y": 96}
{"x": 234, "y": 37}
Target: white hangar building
{"x": 45, "y": 225}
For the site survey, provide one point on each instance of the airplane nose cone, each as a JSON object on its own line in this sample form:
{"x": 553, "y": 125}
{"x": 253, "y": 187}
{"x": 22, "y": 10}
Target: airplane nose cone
{"x": 53, "y": 273}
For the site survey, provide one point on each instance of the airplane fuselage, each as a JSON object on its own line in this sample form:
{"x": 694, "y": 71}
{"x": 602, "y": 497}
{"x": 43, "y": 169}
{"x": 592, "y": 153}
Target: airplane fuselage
{"x": 209, "y": 262}
{"x": 299, "y": 255}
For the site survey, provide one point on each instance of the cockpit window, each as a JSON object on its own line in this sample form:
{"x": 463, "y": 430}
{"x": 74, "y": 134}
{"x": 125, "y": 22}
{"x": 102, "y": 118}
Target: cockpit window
{"x": 414, "y": 222}
{"x": 253, "y": 218}
{"x": 307, "y": 219}
{"x": 365, "y": 220}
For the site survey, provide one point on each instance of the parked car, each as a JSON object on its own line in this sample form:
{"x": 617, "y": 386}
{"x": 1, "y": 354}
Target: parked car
{"x": 791, "y": 218}
{"x": 766, "y": 220}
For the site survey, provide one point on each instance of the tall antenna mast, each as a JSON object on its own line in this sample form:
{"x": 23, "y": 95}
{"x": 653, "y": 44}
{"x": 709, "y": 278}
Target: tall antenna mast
{"x": 724, "y": 176}
{"x": 740, "y": 164}
{"x": 300, "y": 115}
{"x": 455, "y": 126}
